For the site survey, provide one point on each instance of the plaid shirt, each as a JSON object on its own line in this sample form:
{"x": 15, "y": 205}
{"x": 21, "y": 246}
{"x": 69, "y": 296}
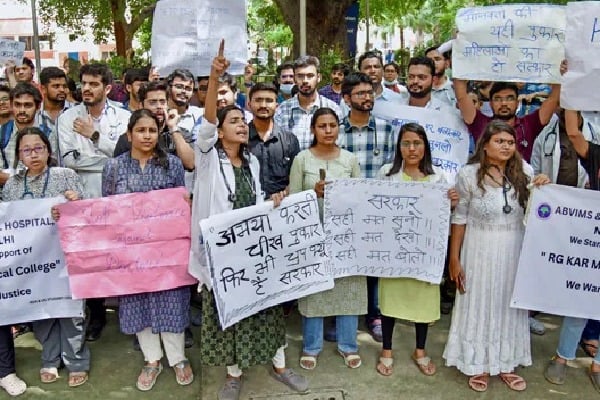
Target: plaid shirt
{"x": 372, "y": 144}
{"x": 327, "y": 91}
{"x": 290, "y": 117}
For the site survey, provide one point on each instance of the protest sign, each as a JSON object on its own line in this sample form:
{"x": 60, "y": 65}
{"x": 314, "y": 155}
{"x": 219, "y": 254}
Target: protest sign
{"x": 260, "y": 256}
{"x": 11, "y": 50}
{"x": 447, "y": 133}
{"x": 559, "y": 266}
{"x": 387, "y": 228}
{"x": 580, "y": 88}
{"x": 33, "y": 278}
{"x": 510, "y": 42}
{"x": 126, "y": 244}
{"x": 186, "y": 34}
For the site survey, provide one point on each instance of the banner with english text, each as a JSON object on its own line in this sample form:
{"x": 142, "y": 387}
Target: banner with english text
{"x": 559, "y": 267}
{"x": 33, "y": 278}
{"x": 128, "y": 243}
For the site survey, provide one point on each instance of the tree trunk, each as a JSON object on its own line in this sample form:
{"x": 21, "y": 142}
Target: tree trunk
{"x": 117, "y": 8}
{"x": 325, "y": 24}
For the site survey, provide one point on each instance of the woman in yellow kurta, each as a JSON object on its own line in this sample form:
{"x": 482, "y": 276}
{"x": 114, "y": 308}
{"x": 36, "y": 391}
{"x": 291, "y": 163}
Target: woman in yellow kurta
{"x": 408, "y": 298}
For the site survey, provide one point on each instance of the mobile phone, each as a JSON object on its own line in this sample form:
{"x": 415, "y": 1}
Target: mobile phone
{"x": 322, "y": 174}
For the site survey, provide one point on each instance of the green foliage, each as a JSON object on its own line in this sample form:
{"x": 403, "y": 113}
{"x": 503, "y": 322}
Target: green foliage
{"x": 329, "y": 56}
{"x": 267, "y": 28}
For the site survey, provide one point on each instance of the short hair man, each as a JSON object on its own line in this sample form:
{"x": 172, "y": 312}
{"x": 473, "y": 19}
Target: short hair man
{"x": 391, "y": 71}
{"x": 294, "y": 115}
{"x": 442, "y": 89}
{"x": 333, "y": 91}
{"x": 20, "y": 73}
{"x": 200, "y": 98}
{"x": 285, "y": 81}
{"x": 134, "y": 79}
{"x": 181, "y": 89}
{"x": 504, "y": 103}
{"x": 53, "y": 82}
{"x": 5, "y": 108}
{"x": 274, "y": 149}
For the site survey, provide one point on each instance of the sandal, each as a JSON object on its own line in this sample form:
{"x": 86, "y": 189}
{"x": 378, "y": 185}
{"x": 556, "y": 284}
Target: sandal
{"x": 556, "y": 372}
{"x": 595, "y": 377}
{"x": 48, "y": 375}
{"x": 385, "y": 366}
{"x": 589, "y": 348}
{"x": 352, "y": 360}
{"x": 183, "y": 373}
{"x": 308, "y": 362}
{"x": 479, "y": 383}
{"x": 148, "y": 376}
{"x": 426, "y": 366}
{"x": 77, "y": 378}
{"x": 514, "y": 382}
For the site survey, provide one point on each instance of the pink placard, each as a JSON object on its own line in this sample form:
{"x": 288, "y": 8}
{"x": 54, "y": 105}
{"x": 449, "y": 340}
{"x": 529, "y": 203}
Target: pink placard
{"x": 125, "y": 244}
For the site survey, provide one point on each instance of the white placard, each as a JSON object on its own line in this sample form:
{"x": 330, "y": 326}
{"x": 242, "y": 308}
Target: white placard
{"x": 33, "y": 277}
{"x": 559, "y": 267}
{"x": 510, "y": 42}
{"x": 186, "y": 34}
{"x": 580, "y": 88}
{"x": 11, "y": 50}
{"x": 447, "y": 133}
{"x": 260, "y": 256}
{"x": 387, "y": 228}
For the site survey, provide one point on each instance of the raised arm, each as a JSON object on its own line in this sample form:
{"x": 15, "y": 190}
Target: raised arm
{"x": 218, "y": 67}
{"x": 575, "y": 135}
{"x": 550, "y": 104}
{"x": 465, "y": 104}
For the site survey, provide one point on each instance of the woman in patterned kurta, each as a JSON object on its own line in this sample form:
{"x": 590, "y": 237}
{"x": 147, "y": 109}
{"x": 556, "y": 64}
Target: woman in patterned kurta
{"x": 156, "y": 315}
{"x": 228, "y": 178}
{"x": 348, "y": 298}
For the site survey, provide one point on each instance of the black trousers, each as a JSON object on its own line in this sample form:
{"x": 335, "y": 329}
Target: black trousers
{"x": 7, "y": 351}
{"x": 97, "y": 312}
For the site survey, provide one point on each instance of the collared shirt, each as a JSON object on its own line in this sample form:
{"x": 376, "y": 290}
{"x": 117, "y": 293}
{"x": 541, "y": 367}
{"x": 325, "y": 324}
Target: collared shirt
{"x": 327, "y": 91}
{"x": 372, "y": 144}
{"x": 290, "y": 117}
{"x": 275, "y": 156}
{"x": 445, "y": 94}
{"x": 387, "y": 95}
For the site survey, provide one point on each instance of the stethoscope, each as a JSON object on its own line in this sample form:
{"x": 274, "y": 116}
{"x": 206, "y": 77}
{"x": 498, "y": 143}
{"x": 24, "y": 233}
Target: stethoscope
{"x": 231, "y": 196}
{"x": 113, "y": 120}
{"x": 553, "y": 133}
{"x": 506, "y": 187}
{"x": 292, "y": 121}
{"x": 28, "y": 194}
{"x": 376, "y": 150}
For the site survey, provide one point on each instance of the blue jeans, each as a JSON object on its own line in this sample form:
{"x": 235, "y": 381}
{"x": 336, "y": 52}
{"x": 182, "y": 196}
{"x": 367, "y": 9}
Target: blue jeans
{"x": 570, "y": 334}
{"x": 312, "y": 330}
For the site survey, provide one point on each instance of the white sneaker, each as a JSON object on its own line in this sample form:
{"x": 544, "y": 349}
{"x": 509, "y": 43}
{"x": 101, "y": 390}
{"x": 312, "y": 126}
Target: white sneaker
{"x": 536, "y": 326}
{"x": 13, "y": 385}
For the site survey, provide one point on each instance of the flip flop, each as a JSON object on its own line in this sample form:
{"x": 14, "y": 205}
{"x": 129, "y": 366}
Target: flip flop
{"x": 180, "y": 369}
{"x": 352, "y": 360}
{"x": 478, "y": 383}
{"x": 77, "y": 378}
{"x": 585, "y": 346}
{"x": 149, "y": 371}
{"x": 48, "y": 375}
{"x": 308, "y": 362}
{"x": 385, "y": 366}
{"x": 514, "y": 382}
{"x": 425, "y": 365}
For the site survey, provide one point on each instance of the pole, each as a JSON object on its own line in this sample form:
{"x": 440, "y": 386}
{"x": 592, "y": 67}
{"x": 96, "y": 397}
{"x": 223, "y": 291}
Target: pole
{"x": 36, "y": 40}
{"x": 368, "y": 16}
{"x": 302, "y": 27}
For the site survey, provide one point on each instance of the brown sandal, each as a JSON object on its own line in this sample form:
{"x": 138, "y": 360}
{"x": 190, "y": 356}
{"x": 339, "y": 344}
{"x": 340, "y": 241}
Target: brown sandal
{"x": 385, "y": 366}
{"x": 426, "y": 366}
{"x": 77, "y": 378}
{"x": 514, "y": 382}
{"x": 479, "y": 383}
{"x": 48, "y": 375}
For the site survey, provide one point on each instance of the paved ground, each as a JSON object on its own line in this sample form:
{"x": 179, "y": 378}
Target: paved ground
{"x": 115, "y": 366}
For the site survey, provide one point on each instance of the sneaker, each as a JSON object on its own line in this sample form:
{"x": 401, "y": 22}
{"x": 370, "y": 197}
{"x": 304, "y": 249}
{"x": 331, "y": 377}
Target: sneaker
{"x": 375, "y": 330}
{"x": 536, "y": 326}
{"x": 293, "y": 380}
{"x": 13, "y": 385}
{"x": 231, "y": 389}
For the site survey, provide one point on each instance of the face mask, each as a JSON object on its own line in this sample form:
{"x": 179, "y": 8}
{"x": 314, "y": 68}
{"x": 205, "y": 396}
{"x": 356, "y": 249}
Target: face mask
{"x": 395, "y": 81}
{"x": 286, "y": 88}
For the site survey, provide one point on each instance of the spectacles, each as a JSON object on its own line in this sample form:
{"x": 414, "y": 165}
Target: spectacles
{"x": 305, "y": 76}
{"x": 183, "y": 87}
{"x": 364, "y": 93}
{"x": 506, "y": 99}
{"x": 4, "y": 99}
{"x": 501, "y": 142}
{"x": 37, "y": 149}
{"x": 407, "y": 144}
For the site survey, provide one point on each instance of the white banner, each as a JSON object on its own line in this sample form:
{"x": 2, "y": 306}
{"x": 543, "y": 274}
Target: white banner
{"x": 33, "y": 276}
{"x": 260, "y": 256}
{"x": 447, "y": 133}
{"x": 580, "y": 88}
{"x": 510, "y": 42}
{"x": 186, "y": 34}
{"x": 387, "y": 228}
{"x": 11, "y": 50}
{"x": 559, "y": 267}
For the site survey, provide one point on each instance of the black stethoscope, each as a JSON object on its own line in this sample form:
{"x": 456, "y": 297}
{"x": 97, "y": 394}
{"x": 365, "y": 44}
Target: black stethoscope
{"x": 113, "y": 121}
{"x": 506, "y": 187}
{"x": 28, "y": 194}
{"x": 292, "y": 121}
{"x": 376, "y": 150}
{"x": 553, "y": 133}
{"x": 231, "y": 196}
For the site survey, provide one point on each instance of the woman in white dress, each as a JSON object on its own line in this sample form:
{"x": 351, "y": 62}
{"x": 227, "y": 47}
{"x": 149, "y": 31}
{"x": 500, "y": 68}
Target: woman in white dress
{"x": 487, "y": 336}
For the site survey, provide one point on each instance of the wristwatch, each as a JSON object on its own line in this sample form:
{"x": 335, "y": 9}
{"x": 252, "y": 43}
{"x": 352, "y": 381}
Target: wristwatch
{"x": 95, "y": 137}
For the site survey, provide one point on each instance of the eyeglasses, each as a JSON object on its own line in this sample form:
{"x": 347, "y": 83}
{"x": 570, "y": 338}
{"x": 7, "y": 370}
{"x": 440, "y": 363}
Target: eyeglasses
{"x": 305, "y": 76}
{"x": 506, "y": 99}
{"x": 501, "y": 142}
{"x": 364, "y": 93}
{"x": 4, "y": 99}
{"x": 183, "y": 87}
{"x": 407, "y": 144}
{"x": 37, "y": 149}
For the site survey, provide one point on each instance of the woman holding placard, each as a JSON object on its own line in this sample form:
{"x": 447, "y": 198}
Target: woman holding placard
{"x": 406, "y": 298}
{"x": 487, "y": 336}
{"x": 158, "y": 316}
{"x": 62, "y": 339}
{"x": 348, "y": 299}
{"x": 228, "y": 179}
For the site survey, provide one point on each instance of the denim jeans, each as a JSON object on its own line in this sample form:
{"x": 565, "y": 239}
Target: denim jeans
{"x": 312, "y": 330}
{"x": 570, "y": 334}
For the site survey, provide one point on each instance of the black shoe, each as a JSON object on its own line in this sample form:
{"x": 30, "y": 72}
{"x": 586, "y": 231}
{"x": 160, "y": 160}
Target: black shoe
{"x": 446, "y": 307}
{"x": 189, "y": 338}
{"x": 136, "y": 343}
{"x": 94, "y": 332}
